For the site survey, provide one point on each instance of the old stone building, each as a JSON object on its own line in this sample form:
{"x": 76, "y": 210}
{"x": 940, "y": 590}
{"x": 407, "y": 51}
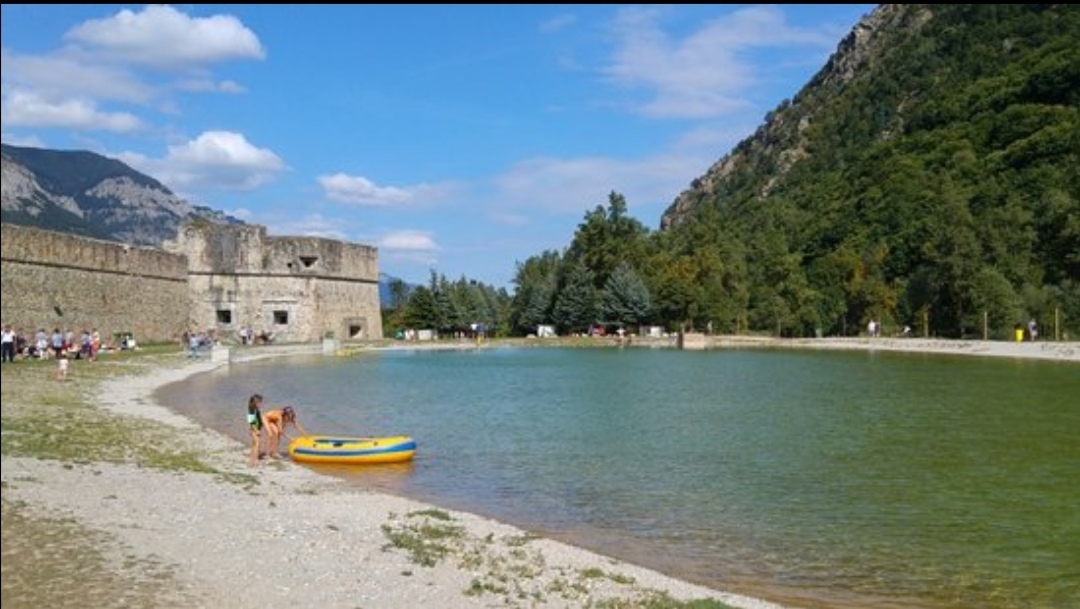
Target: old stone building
{"x": 221, "y": 277}
{"x": 296, "y": 289}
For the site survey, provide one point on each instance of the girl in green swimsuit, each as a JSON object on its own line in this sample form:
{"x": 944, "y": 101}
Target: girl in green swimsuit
{"x": 255, "y": 422}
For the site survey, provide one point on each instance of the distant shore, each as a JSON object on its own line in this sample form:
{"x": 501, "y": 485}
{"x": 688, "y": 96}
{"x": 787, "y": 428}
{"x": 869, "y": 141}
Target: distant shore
{"x": 1037, "y": 350}
{"x": 1041, "y": 350}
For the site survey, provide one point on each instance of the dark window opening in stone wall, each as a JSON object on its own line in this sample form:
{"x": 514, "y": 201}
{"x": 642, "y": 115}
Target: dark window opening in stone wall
{"x": 308, "y": 261}
{"x": 281, "y": 317}
{"x": 224, "y": 316}
{"x": 355, "y": 331}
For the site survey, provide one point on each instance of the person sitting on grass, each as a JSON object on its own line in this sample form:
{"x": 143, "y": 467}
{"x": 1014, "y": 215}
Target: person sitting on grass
{"x": 276, "y": 423}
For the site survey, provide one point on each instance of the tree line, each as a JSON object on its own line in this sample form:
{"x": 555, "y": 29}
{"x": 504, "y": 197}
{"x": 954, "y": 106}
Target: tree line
{"x": 939, "y": 189}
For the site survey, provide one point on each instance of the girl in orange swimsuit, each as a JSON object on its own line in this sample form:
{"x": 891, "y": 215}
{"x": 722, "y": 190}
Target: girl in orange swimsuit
{"x": 276, "y": 422}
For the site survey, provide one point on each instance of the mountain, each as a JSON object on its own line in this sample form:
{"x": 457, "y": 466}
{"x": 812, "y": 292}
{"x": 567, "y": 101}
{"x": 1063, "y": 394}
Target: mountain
{"x": 386, "y": 289}
{"x": 91, "y": 195}
{"x": 385, "y": 295}
{"x": 928, "y": 172}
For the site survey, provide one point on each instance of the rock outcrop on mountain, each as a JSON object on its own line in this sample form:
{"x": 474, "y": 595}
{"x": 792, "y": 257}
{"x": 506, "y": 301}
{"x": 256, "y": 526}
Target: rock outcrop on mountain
{"x": 92, "y": 195}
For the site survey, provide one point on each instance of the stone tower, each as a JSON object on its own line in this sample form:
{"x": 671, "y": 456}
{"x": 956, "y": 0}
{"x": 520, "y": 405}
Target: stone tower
{"x": 295, "y": 289}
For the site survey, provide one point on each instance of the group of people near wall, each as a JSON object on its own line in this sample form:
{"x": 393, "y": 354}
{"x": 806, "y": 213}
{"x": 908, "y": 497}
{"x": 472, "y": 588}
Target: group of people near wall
{"x": 18, "y": 344}
{"x": 274, "y": 422}
{"x": 196, "y": 340}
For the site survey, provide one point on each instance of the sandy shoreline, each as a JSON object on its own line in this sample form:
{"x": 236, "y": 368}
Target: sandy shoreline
{"x": 281, "y": 533}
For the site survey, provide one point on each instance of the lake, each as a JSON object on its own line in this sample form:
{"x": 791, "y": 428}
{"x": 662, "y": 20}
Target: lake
{"x": 843, "y": 479}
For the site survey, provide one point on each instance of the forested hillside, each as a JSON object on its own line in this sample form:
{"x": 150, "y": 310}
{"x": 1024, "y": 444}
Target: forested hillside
{"x": 928, "y": 175}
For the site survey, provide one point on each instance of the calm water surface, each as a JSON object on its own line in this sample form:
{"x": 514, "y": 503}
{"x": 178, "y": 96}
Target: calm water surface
{"x": 812, "y": 478}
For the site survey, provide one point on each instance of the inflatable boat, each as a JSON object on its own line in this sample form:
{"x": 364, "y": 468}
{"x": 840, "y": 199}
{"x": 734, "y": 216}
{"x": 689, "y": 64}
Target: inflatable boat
{"x": 347, "y": 450}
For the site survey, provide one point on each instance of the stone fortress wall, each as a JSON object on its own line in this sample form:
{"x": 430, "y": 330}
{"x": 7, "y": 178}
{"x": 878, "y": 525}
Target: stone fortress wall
{"x": 56, "y": 280}
{"x": 212, "y": 277}
{"x": 297, "y": 289}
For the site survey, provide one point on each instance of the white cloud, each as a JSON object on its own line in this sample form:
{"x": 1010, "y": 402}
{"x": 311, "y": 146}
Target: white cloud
{"x": 558, "y": 23}
{"x": 361, "y": 191}
{"x": 311, "y": 225}
{"x": 241, "y": 213}
{"x": 704, "y": 74}
{"x": 57, "y": 78}
{"x": 576, "y": 185}
{"x": 25, "y": 109}
{"x": 216, "y": 160}
{"x": 358, "y": 190}
{"x": 163, "y": 37}
{"x": 506, "y": 218}
{"x": 408, "y": 247}
{"x": 207, "y": 85}
{"x": 69, "y": 88}
{"x": 18, "y": 140}
{"x": 408, "y": 241}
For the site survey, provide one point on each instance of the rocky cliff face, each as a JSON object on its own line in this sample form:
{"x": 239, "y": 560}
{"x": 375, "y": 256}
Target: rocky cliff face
{"x": 781, "y": 142}
{"x": 88, "y": 194}
{"x": 20, "y": 192}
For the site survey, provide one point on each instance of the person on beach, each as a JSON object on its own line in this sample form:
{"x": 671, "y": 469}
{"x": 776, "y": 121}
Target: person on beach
{"x": 256, "y": 422}
{"x": 61, "y": 367}
{"x": 8, "y": 345}
{"x": 276, "y": 423}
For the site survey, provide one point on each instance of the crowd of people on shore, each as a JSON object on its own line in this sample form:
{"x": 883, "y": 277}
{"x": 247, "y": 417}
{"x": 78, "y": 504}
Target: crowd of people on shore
{"x": 59, "y": 345}
{"x": 196, "y": 341}
{"x": 19, "y": 344}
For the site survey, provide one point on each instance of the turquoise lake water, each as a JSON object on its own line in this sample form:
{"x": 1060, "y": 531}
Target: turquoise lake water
{"x": 823, "y": 479}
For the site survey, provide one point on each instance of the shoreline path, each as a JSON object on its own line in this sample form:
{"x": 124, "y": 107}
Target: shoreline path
{"x": 240, "y": 537}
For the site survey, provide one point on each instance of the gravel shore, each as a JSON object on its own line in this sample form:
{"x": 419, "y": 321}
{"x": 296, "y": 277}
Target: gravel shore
{"x": 236, "y": 536}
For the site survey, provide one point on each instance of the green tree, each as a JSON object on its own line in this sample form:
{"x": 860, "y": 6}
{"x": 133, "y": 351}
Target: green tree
{"x": 421, "y": 312}
{"x": 606, "y": 237}
{"x": 994, "y": 298}
{"x": 954, "y": 255}
{"x": 625, "y": 298}
{"x": 536, "y": 281}
{"x": 676, "y": 291}
{"x": 577, "y": 305}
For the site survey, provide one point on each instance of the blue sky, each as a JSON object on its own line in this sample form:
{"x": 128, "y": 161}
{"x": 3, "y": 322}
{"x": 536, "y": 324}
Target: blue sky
{"x": 461, "y": 139}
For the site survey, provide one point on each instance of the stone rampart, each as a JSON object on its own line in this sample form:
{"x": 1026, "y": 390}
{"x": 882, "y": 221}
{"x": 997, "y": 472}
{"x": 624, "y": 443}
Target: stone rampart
{"x": 212, "y": 277}
{"x": 296, "y": 289}
{"x": 56, "y": 280}
{"x": 223, "y": 249}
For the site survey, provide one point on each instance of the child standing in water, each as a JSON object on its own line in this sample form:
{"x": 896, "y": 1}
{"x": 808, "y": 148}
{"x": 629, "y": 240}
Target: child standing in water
{"x": 255, "y": 423}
